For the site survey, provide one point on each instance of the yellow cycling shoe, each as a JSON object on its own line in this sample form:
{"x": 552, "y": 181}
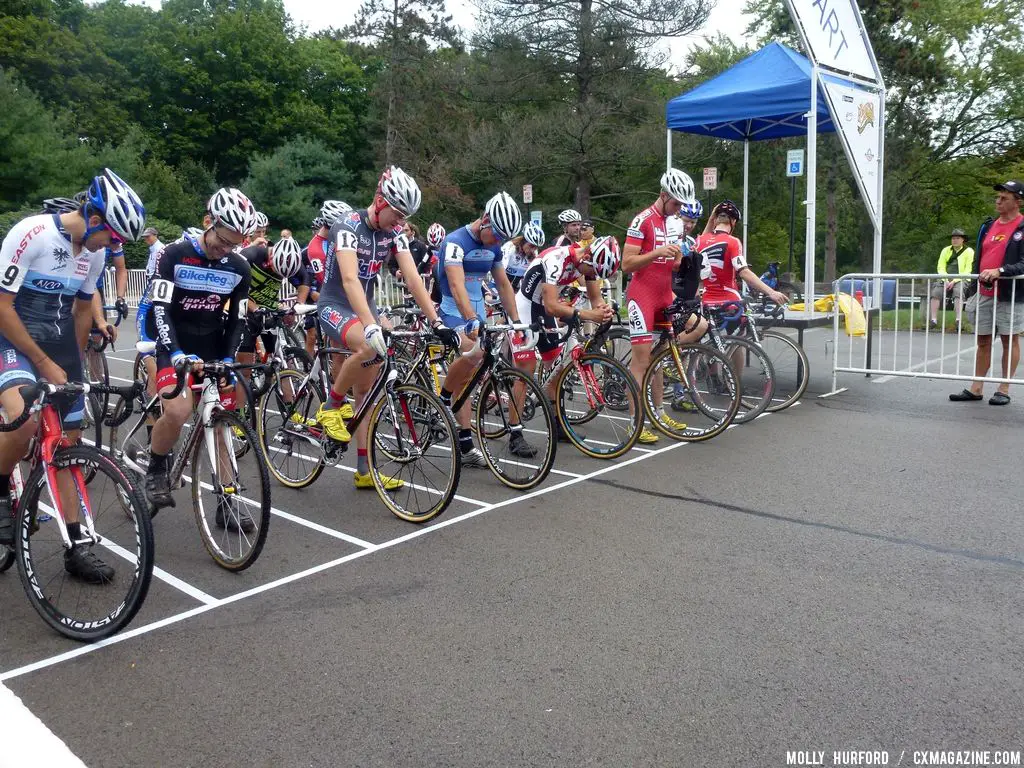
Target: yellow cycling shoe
{"x": 237, "y": 432}
{"x": 671, "y": 423}
{"x": 333, "y": 423}
{"x": 390, "y": 483}
{"x": 296, "y": 418}
{"x": 347, "y": 411}
{"x": 647, "y": 437}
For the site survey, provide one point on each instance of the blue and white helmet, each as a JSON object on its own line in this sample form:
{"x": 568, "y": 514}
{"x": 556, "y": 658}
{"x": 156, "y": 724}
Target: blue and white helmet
{"x": 693, "y": 210}
{"x": 122, "y": 210}
{"x": 504, "y": 216}
{"x": 533, "y": 234}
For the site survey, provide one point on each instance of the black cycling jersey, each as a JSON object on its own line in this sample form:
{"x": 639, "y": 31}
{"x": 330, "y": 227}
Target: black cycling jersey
{"x": 265, "y": 283}
{"x": 189, "y": 293}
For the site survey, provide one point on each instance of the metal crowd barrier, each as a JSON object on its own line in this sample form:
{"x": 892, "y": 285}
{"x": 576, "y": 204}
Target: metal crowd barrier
{"x": 942, "y": 353}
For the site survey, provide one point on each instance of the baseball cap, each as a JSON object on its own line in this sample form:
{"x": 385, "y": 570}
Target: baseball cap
{"x": 150, "y": 231}
{"x": 958, "y": 233}
{"x": 1015, "y": 187}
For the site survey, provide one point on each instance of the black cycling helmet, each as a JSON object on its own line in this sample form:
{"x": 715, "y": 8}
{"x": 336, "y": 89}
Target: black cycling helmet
{"x": 61, "y": 205}
{"x": 728, "y": 208}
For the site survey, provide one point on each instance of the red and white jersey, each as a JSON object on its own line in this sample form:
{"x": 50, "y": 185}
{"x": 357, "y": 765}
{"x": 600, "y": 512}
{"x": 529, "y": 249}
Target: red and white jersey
{"x": 316, "y": 255}
{"x": 650, "y": 230}
{"x": 554, "y": 266}
{"x": 724, "y": 254}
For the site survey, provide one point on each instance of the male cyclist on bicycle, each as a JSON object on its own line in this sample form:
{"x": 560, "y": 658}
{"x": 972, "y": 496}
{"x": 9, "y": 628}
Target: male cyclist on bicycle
{"x": 196, "y": 278}
{"x": 572, "y": 223}
{"x": 467, "y": 255}
{"x": 49, "y": 265}
{"x": 360, "y": 242}
{"x": 314, "y": 259}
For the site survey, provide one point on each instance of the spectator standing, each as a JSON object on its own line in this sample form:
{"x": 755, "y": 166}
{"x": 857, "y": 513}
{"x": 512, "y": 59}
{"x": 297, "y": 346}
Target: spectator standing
{"x": 999, "y": 257}
{"x": 152, "y": 238}
{"x": 955, "y": 259}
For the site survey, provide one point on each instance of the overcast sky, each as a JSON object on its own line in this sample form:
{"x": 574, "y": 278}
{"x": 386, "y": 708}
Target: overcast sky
{"x": 727, "y": 17}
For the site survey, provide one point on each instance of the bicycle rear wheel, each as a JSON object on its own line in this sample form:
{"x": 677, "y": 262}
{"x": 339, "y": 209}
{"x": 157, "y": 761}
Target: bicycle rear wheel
{"x": 496, "y": 413}
{"x": 792, "y": 369}
{"x": 97, "y": 371}
{"x": 599, "y": 392}
{"x": 702, "y": 379}
{"x": 285, "y": 415}
{"x": 755, "y": 375}
{"x": 230, "y": 493}
{"x": 80, "y": 611}
{"x": 412, "y": 440}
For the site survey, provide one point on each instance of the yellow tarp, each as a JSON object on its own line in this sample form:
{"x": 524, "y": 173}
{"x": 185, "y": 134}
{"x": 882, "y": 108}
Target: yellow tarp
{"x": 853, "y": 312}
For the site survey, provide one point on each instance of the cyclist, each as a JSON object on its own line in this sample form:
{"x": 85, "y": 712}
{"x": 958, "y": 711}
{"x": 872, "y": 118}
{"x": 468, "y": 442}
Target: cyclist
{"x": 195, "y": 279}
{"x": 724, "y": 253}
{"x": 651, "y": 258}
{"x": 259, "y": 235}
{"x": 435, "y": 236}
{"x": 571, "y": 222}
{"x": 467, "y": 255}
{"x": 269, "y": 267}
{"x": 538, "y": 301}
{"x": 360, "y": 242}
{"x": 518, "y": 252}
{"x": 49, "y": 265}
{"x": 152, "y": 239}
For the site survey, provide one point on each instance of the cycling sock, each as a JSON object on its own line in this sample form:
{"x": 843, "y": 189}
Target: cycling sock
{"x": 157, "y": 461}
{"x": 74, "y": 531}
{"x": 362, "y": 463}
{"x": 5, "y": 485}
{"x": 446, "y": 397}
{"x": 334, "y": 400}
{"x": 465, "y": 440}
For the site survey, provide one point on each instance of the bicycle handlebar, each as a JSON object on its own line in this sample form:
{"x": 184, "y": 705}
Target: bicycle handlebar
{"x": 45, "y": 390}
{"x": 210, "y": 369}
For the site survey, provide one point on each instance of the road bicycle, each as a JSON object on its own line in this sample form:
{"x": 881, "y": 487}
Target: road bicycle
{"x": 792, "y": 368}
{"x": 411, "y": 435}
{"x": 111, "y": 513}
{"x": 230, "y": 497}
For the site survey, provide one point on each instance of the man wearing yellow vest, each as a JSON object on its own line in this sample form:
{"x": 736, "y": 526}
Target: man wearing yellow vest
{"x": 955, "y": 259}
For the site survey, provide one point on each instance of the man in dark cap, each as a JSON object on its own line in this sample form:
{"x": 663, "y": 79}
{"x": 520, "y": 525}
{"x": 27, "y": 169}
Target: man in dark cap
{"x": 957, "y": 258}
{"x": 996, "y": 308}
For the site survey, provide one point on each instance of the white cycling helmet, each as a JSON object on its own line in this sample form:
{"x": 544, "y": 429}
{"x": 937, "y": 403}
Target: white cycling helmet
{"x": 504, "y": 216}
{"x": 286, "y": 257}
{"x": 678, "y": 185}
{"x": 435, "y": 235}
{"x": 332, "y": 210}
{"x": 117, "y": 203}
{"x": 604, "y": 257}
{"x": 400, "y": 191}
{"x": 533, "y": 234}
{"x": 230, "y": 208}
{"x": 569, "y": 216}
{"x": 261, "y": 221}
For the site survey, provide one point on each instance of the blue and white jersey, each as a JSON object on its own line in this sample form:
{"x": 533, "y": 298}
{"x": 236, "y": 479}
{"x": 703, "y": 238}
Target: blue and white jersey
{"x": 36, "y": 263}
{"x": 476, "y": 260}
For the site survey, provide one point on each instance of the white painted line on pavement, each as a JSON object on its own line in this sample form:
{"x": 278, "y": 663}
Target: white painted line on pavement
{"x": 322, "y": 529}
{"x": 923, "y": 365}
{"x": 36, "y": 746}
{"x": 563, "y": 472}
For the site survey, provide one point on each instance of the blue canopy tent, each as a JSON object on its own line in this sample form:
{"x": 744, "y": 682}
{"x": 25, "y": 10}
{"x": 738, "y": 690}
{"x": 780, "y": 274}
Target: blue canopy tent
{"x": 767, "y": 95}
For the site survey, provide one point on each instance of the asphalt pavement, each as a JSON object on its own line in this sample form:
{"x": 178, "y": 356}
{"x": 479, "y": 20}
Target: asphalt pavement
{"x": 845, "y": 575}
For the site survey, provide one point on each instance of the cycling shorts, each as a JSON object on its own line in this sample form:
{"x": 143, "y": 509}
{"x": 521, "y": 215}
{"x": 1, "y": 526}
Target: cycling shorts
{"x": 206, "y": 347}
{"x": 16, "y": 370}
{"x": 458, "y": 322}
{"x": 336, "y": 319}
{"x": 645, "y": 306}
{"x": 250, "y": 330}
{"x": 545, "y": 342}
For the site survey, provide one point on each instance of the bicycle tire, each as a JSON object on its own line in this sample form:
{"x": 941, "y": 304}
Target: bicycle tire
{"x": 101, "y": 376}
{"x": 297, "y": 359}
{"x": 228, "y": 422}
{"x": 803, "y": 372}
{"x": 30, "y": 568}
{"x": 688, "y": 353}
{"x": 497, "y": 388}
{"x": 274, "y": 407}
{"x": 6, "y": 558}
{"x": 436, "y": 430}
{"x": 92, "y": 420}
{"x": 622, "y": 377}
{"x": 755, "y": 396}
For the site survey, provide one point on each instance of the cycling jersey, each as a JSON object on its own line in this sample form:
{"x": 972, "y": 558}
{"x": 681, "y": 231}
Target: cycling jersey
{"x": 314, "y": 256}
{"x": 554, "y": 266}
{"x": 264, "y": 282}
{"x": 477, "y": 260}
{"x": 154, "y": 254}
{"x": 373, "y": 248}
{"x": 189, "y": 293}
{"x": 560, "y": 241}
{"x": 725, "y": 256}
{"x": 514, "y": 262}
{"x": 650, "y": 290}
{"x": 36, "y": 264}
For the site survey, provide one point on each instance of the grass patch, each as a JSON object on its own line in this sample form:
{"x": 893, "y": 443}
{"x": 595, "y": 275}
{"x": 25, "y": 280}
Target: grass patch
{"x": 906, "y": 318}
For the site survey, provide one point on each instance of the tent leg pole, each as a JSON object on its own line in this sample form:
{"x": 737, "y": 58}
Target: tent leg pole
{"x": 669, "y": 152}
{"x": 746, "y": 178}
{"x": 812, "y": 160}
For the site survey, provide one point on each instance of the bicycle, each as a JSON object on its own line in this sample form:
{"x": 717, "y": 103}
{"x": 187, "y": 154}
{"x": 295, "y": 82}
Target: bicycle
{"x": 210, "y": 441}
{"x": 706, "y": 376}
{"x": 95, "y": 370}
{"x": 286, "y": 354}
{"x": 411, "y": 435}
{"x": 770, "y": 277}
{"x": 788, "y": 359}
{"x": 62, "y": 476}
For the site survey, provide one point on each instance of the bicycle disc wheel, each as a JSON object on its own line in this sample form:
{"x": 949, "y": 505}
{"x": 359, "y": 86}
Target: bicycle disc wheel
{"x": 756, "y": 378}
{"x": 599, "y": 392}
{"x": 700, "y": 386}
{"x": 792, "y": 369}
{"x": 421, "y": 453}
{"x": 286, "y": 414}
{"x": 496, "y": 411}
{"x": 230, "y": 494}
{"x": 78, "y": 610}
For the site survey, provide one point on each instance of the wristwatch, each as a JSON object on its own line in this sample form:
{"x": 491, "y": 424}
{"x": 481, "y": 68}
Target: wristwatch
{"x": 1002, "y": 270}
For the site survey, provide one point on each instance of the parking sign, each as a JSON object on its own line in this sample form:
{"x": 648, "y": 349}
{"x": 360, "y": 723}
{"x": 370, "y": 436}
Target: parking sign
{"x": 795, "y": 162}
{"x": 710, "y": 178}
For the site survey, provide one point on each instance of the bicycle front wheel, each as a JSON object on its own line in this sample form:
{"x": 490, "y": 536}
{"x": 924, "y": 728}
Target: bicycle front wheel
{"x": 755, "y": 375}
{"x": 230, "y": 493}
{"x": 792, "y": 369}
{"x": 414, "y": 457}
{"x": 497, "y": 412}
{"x": 599, "y": 407}
{"x": 286, "y": 420}
{"x": 700, "y": 385}
{"x": 74, "y": 608}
